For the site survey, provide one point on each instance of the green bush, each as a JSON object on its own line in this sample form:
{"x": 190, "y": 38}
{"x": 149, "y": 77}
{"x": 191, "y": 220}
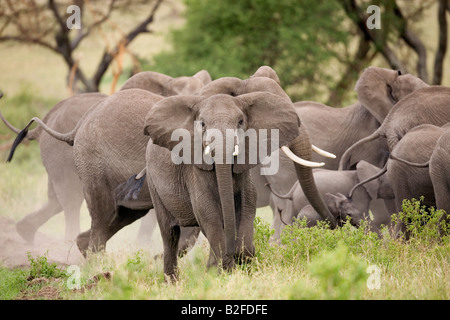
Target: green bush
{"x": 40, "y": 267}
{"x": 423, "y": 223}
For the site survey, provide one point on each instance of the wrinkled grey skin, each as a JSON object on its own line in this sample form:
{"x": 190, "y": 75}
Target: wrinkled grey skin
{"x": 108, "y": 147}
{"x": 167, "y": 86}
{"x": 336, "y": 129}
{"x": 413, "y": 181}
{"x": 440, "y": 171}
{"x": 335, "y": 182}
{"x": 66, "y": 194}
{"x": 424, "y": 106}
{"x": 219, "y": 198}
{"x": 64, "y": 188}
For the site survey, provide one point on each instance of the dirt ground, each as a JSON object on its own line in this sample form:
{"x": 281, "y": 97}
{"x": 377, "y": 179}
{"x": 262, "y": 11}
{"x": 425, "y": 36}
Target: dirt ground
{"x": 14, "y": 250}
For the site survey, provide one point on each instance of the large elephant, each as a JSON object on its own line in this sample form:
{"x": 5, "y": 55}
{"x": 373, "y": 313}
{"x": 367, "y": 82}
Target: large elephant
{"x": 210, "y": 186}
{"x": 336, "y": 129}
{"x": 64, "y": 188}
{"x": 334, "y": 182}
{"x": 424, "y": 106}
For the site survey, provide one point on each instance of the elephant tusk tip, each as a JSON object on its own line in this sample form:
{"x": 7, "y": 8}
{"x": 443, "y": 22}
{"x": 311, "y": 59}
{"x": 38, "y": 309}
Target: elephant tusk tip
{"x": 323, "y": 152}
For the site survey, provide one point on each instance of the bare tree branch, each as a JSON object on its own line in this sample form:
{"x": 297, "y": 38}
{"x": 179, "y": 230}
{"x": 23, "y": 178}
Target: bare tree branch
{"x": 355, "y": 13}
{"x": 352, "y": 71}
{"x": 413, "y": 42}
{"x": 109, "y": 56}
{"x": 443, "y": 40}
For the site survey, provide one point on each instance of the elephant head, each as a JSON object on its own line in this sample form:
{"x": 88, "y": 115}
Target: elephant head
{"x": 264, "y": 79}
{"x": 167, "y": 86}
{"x": 263, "y": 115}
{"x": 379, "y": 89}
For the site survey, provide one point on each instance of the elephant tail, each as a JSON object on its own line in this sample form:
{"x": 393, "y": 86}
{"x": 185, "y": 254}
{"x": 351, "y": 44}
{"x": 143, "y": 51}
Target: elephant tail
{"x": 287, "y": 196}
{"x": 32, "y": 135}
{"x": 414, "y": 164}
{"x": 375, "y": 176}
{"x": 65, "y": 137}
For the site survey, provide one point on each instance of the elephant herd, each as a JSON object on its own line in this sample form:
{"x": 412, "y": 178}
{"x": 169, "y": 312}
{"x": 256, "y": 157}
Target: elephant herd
{"x": 161, "y": 149}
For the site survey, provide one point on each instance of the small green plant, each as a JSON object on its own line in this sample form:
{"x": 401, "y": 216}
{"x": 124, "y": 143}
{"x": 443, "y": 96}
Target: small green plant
{"x": 422, "y": 222}
{"x": 40, "y": 267}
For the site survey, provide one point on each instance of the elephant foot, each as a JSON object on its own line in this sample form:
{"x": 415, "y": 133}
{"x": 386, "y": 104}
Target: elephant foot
{"x": 83, "y": 242}
{"x": 26, "y": 230}
{"x": 170, "y": 278}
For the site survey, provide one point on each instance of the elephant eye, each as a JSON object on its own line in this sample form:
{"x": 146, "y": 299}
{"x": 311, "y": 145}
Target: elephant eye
{"x": 399, "y": 72}
{"x": 241, "y": 122}
{"x": 391, "y": 94}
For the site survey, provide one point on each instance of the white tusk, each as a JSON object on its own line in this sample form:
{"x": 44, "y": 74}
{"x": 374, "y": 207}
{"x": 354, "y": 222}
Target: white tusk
{"x": 322, "y": 152}
{"x": 207, "y": 150}
{"x": 140, "y": 174}
{"x": 236, "y": 150}
{"x": 299, "y": 160}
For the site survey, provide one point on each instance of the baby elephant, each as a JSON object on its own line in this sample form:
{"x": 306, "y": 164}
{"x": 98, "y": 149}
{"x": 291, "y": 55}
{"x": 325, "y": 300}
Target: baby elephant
{"x": 333, "y": 182}
{"x": 340, "y": 206}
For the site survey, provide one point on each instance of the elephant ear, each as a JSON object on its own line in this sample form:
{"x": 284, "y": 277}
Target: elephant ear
{"x": 204, "y": 77}
{"x": 172, "y": 114}
{"x": 365, "y": 170}
{"x": 267, "y": 72}
{"x": 272, "y": 119}
{"x": 375, "y": 92}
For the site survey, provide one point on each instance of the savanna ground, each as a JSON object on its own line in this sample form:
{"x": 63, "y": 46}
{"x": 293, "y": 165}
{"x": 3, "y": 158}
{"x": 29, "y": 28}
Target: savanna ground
{"x": 314, "y": 263}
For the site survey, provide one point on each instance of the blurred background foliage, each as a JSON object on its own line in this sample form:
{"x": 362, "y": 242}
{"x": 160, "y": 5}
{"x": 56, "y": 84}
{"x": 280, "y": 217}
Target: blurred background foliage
{"x": 318, "y": 47}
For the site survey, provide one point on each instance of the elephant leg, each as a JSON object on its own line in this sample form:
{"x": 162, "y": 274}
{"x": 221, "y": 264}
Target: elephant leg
{"x": 28, "y": 226}
{"x": 170, "y": 234}
{"x": 147, "y": 227}
{"x": 188, "y": 237}
{"x": 442, "y": 192}
{"x": 71, "y": 199}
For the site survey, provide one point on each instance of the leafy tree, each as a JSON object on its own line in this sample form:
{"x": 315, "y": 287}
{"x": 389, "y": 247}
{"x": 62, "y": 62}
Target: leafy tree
{"x": 299, "y": 39}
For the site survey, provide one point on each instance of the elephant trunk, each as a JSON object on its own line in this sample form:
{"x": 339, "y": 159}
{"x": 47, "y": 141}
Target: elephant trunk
{"x": 302, "y": 148}
{"x": 226, "y": 193}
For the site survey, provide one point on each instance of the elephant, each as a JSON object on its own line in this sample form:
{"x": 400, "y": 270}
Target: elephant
{"x": 414, "y": 174}
{"x": 64, "y": 187}
{"x": 167, "y": 86}
{"x": 66, "y": 194}
{"x": 108, "y": 146}
{"x": 337, "y": 129}
{"x": 340, "y": 207}
{"x": 428, "y": 105}
{"x": 336, "y": 182}
{"x": 210, "y": 185}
